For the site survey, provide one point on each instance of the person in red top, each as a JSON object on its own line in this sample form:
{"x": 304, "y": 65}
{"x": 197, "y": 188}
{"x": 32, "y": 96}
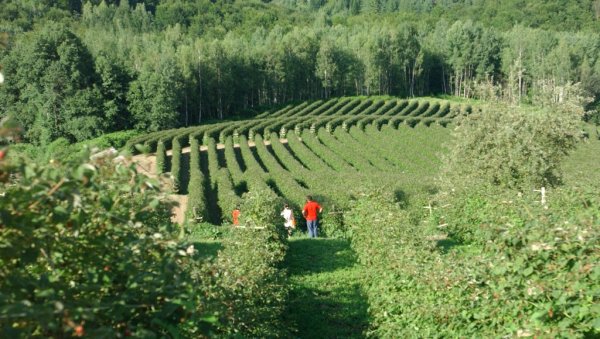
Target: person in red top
{"x": 236, "y": 216}
{"x": 310, "y": 214}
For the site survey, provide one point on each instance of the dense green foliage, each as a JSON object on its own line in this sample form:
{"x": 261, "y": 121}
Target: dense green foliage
{"x": 57, "y": 93}
{"x": 89, "y": 250}
{"x": 248, "y": 270}
{"x": 65, "y": 232}
{"x": 62, "y": 151}
{"x": 197, "y": 205}
{"x": 551, "y": 15}
{"x": 106, "y": 67}
{"x": 534, "y": 276}
{"x": 176, "y": 165}
{"x": 508, "y": 147}
{"x": 161, "y": 158}
{"x": 87, "y": 246}
{"x": 483, "y": 260}
{"x": 344, "y": 139}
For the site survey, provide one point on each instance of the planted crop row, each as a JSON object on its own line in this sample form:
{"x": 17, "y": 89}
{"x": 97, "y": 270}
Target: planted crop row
{"x": 324, "y": 107}
{"x": 423, "y": 106}
{"x": 350, "y": 155}
{"x": 176, "y": 165}
{"x": 344, "y": 111}
{"x": 323, "y": 152}
{"x": 385, "y": 108}
{"x": 221, "y": 183}
{"x": 255, "y": 176}
{"x": 251, "y": 287}
{"x": 282, "y": 178}
{"x": 233, "y": 165}
{"x": 294, "y": 110}
{"x": 271, "y": 113}
{"x": 161, "y": 158}
{"x": 308, "y": 108}
{"x": 364, "y": 148}
{"x": 197, "y": 204}
{"x": 308, "y": 157}
{"x": 360, "y": 108}
{"x": 286, "y": 158}
{"x": 400, "y": 145}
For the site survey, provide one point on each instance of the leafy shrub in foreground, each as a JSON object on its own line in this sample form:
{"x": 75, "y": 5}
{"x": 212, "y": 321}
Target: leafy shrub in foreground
{"x": 537, "y": 276}
{"x": 253, "y": 286}
{"x": 91, "y": 251}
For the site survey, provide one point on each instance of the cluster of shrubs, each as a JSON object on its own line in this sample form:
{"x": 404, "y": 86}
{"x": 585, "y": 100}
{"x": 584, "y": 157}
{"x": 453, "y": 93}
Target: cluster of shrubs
{"x": 518, "y": 269}
{"x": 196, "y": 208}
{"x": 492, "y": 259}
{"x": 252, "y": 286}
{"x": 90, "y": 251}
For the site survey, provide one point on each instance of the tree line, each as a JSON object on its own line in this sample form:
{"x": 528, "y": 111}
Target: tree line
{"x": 105, "y": 66}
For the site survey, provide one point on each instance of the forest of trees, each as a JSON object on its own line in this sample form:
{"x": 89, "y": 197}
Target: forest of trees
{"x": 77, "y": 70}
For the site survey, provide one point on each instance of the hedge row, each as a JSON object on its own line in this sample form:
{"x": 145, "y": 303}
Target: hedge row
{"x": 282, "y": 178}
{"x": 326, "y": 154}
{"x": 232, "y": 163}
{"x": 310, "y": 159}
{"x": 176, "y": 165}
{"x": 357, "y": 160}
{"x": 161, "y": 158}
{"x": 307, "y": 109}
{"x": 320, "y": 113}
{"x": 252, "y": 287}
{"x": 221, "y": 182}
{"x": 196, "y": 207}
{"x": 363, "y": 148}
{"x": 342, "y": 107}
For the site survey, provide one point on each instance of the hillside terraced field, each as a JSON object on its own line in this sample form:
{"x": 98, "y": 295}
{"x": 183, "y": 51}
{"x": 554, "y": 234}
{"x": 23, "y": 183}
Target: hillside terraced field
{"x": 330, "y": 149}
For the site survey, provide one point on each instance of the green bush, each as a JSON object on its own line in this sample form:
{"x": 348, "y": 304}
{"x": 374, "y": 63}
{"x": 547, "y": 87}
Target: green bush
{"x": 91, "y": 250}
{"x": 116, "y": 140}
{"x": 161, "y": 158}
{"x": 196, "y": 207}
{"x": 176, "y": 165}
{"x": 332, "y": 225}
{"x": 511, "y": 147}
{"x": 535, "y": 275}
{"x": 254, "y": 286}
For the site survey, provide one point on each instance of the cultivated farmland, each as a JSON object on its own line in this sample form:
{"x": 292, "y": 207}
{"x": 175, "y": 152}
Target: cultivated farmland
{"x": 323, "y": 148}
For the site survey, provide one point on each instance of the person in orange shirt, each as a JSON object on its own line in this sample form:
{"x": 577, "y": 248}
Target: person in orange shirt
{"x": 236, "y": 216}
{"x": 310, "y": 213}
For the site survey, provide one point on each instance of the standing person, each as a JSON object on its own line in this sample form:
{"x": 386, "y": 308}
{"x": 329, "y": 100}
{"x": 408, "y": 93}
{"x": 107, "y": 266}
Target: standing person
{"x": 310, "y": 214}
{"x": 288, "y": 216}
{"x": 236, "y": 215}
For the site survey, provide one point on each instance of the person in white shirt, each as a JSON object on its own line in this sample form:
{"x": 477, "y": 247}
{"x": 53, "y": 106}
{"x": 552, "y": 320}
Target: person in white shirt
{"x": 288, "y": 216}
